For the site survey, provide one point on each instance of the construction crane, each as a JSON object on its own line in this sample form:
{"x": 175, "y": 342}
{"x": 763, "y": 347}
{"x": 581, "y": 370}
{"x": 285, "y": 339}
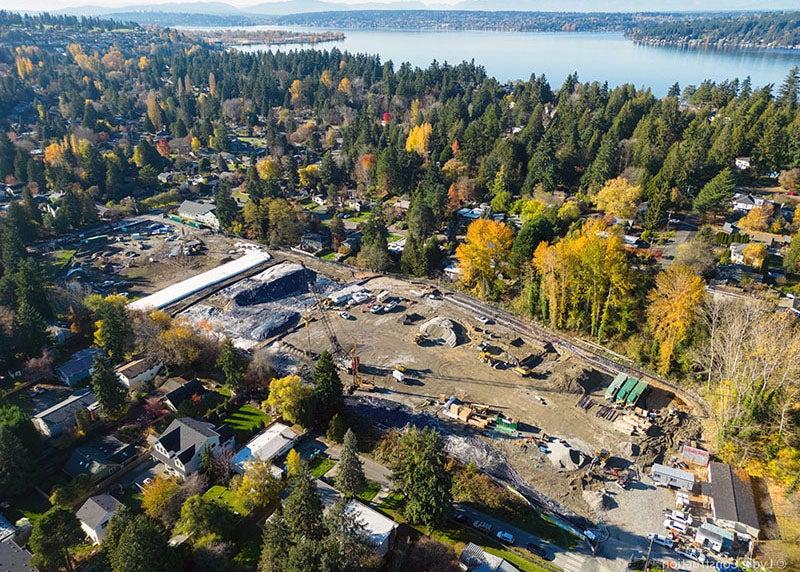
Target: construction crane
{"x": 336, "y": 347}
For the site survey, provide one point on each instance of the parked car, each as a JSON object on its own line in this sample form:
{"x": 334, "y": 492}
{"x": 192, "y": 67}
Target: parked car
{"x": 482, "y": 525}
{"x": 537, "y": 550}
{"x": 483, "y": 319}
{"x": 693, "y": 554}
{"x": 670, "y": 524}
{"x": 346, "y": 315}
{"x": 505, "y": 536}
{"x": 661, "y": 540}
{"x": 680, "y": 516}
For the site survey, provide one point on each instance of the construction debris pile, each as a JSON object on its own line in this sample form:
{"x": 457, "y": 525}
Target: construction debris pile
{"x": 441, "y": 331}
{"x": 569, "y": 375}
{"x": 259, "y": 307}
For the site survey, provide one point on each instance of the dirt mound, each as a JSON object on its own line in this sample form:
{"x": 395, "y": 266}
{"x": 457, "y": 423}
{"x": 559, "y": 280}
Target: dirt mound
{"x": 669, "y": 430}
{"x": 443, "y": 331}
{"x": 571, "y": 376}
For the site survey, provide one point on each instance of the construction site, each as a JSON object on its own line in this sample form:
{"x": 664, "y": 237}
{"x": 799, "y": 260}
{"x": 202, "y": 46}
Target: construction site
{"x": 573, "y": 438}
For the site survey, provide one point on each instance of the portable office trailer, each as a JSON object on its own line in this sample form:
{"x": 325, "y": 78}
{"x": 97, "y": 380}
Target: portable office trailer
{"x": 615, "y": 385}
{"x": 672, "y": 477}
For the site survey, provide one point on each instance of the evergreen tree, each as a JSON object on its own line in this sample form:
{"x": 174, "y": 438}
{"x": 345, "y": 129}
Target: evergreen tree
{"x": 31, "y": 331}
{"x": 233, "y": 364}
{"x": 350, "y": 470}
{"x": 715, "y": 196}
{"x": 52, "y": 538}
{"x": 143, "y": 546}
{"x": 226, "y": 208}
{"x": 275, "y": 544}
{"x": 327, "y": 386}
{"x": 15, "y": 465}
{"x": 109, "y": 391}
{"x": 420, "y": 473}
{"x": 303, "y": 508}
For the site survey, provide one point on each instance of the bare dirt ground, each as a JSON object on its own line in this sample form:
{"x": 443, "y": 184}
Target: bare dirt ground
{"x": 540, "y": 404}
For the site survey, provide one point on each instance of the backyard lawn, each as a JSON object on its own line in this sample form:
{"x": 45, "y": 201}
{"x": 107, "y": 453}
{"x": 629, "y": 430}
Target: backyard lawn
{"x": 223, "y": 495}
{"x": 369, "y": 491}
{"x": 321, "y": 465}
{"x": 246, "y": 421}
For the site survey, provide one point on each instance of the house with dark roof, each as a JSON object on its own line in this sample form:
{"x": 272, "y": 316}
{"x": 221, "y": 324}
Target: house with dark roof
{"x": 177, "y": 390}
{"x": 78, "y": 368}
{"x": 61, "y": 417}
{"x": 94, "y": 515}
{"x": 181, "y": 444}
{"x": 730, "y": 495}
{"x": 99, "y": 458}
{"x": 136, "y": 374}
{"x": 14, "y": 558}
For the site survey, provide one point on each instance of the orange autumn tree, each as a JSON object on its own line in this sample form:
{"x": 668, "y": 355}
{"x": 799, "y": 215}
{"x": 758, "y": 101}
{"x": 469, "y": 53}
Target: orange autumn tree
{"x": 484, "y": 255}
{"x": 673, "y": 308}
{"x": 587, "y": 282}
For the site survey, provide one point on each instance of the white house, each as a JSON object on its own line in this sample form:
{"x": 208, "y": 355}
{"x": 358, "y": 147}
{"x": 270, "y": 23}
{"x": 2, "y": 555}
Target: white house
{"x": 181, "y": 444}
{"x": 744, "y": 202}
{"x": 204, "y": 213}
{"x": 137, "y": 374}
{"x": 271, "y": 443}
{"x": 742, "y": 163}
{"x": 95, "y": 514}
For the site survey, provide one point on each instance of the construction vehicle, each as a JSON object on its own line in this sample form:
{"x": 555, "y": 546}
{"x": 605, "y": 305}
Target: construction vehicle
{"x": 522, "y": 371}
{"x": 399, "y": 376}
{"x": 336, "y": 348}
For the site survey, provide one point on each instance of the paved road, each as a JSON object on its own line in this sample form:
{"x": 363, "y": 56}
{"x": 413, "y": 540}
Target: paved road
{"x": 569, "y": 561}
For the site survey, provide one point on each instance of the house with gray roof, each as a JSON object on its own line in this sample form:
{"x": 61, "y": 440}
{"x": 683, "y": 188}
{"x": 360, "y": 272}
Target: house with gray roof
{"x": 177, "y": 390}
{"x": 203, "y": 213}
{"x": 14, "y": 558}
{"x": 99, "y": 458}
{"x": 181, "y": 444}
{"x": 78, "y": 368}
{"x": 61, "y": 417}
{"x": 475, "y": 559}
{"x": 94, "y": 515}
{"x": 730, "y": 494}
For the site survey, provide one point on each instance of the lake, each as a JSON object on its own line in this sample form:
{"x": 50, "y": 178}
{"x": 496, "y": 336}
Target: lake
{"x": 595, "y": 56}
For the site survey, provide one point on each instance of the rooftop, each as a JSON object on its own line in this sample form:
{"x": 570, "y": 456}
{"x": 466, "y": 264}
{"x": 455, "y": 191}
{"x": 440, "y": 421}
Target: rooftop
{"x": 13, "y": 558}
{"x": 97, "y": 509}
{"x": 266, "y": 444}
{"x": 66, "y": 408}
{"x": 732, "y": 496}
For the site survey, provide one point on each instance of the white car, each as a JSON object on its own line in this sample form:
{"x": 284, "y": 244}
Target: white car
{"x": 346, "y": 315}
{"x": 505, "y": 536}
{"x": 390, "y": 306}
{"x": 680, "y": 516}
{"x": 376, "y": 309}
{"x": 670, "y": 524}
{"x": 483, "y": 319}
{"x": 360, "y": 297}
{"x": 693, "y": 554}
{"x": 661, "y": 540}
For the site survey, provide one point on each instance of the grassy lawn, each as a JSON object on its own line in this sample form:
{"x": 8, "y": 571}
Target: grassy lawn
{"x": 369, "y": 491}
{"x": 457, "y": 536}
{"x": 223, "y": 495}
{"x": 247, "y": 420}
{"x": 321, "y": 465}
{"x": 358, "y": 217}
{"x": 61, "y": 258}
{"x": 394, "y": 237}
{"x": 330, "y": 257}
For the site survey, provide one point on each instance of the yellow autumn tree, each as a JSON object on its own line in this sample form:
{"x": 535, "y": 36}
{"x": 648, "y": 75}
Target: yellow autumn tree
{"x": 268, "y": 168}
{"x": 758, "y": 219}
{"x": 296, "y": 90}
{"x": 326, "y": 79}
{"x": 618, "y": 198}
{"x": 416, "y": 108}
{"x": 755, "y": 253}
{"x": 587, "y": 282}
{"x": 144, "y": 63}
{"x": 154, "y": 110}
{"x": 308, "y": 175}
{"x": 24, "y": 66}
{"x": 672, "y": 310}
{"x": 418, "y": 139}
{"x": 484, "y": 254}
{"x": 286, "y": 396}
{"x": 345, "y": 86}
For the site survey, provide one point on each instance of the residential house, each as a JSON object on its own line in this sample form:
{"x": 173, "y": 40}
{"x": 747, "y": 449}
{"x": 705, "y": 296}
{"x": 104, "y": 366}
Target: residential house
{"x": 475, "y": 559}
{"x": 139, "y": 373}
{"x": 730, "y": 495}
{"x": 379, "y": 529}
{"x": 95, "y": 514}
{"x": 79, "y": 367}
{"x": 177, "y": 390}
{"x": 742, "y": 163}
{"x": 181, "y": 444}
{"x": 14, "y": 558}
{"x": 314, "y": 242}
{"x": 737, "y": 252}
{"x": 744, "y": 202}
{"x": 672, "y": 477}
{"x": 61, "y": 417}
{"x": 203, "y": 213}
{"x": 271, "y": 443}
{"x": 99, "y": 458}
